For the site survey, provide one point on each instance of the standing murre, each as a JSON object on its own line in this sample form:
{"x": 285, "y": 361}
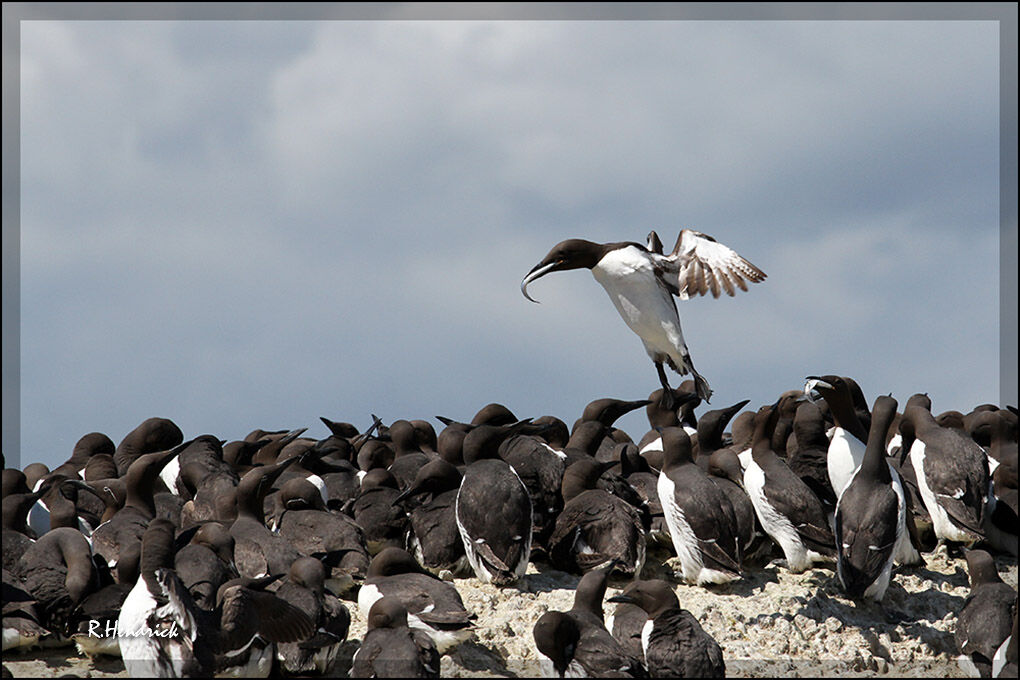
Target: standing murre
{"x": 701, "y": 519}
{"x": 433, "y": 536}
{"x": 952, "y": 477}
{"x": 870, "y": 515}
{"x": 786, "y": 507}
{"x": 987, "y": 616}
{"x": 493, "y": 511}
{"x": 577, "y": 643}
{"x": 641, "y": 282}
{"x": 595, "y": 527}
{"x": 674, "y": 643}
{"x": 846, "y": 446}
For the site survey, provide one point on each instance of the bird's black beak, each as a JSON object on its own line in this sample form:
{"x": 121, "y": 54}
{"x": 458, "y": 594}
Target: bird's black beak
{"x": 621, "y": 598}
{"x": 539, "y": 270}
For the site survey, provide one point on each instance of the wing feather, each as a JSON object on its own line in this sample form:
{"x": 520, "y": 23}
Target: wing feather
{"x": 700, "y": 264}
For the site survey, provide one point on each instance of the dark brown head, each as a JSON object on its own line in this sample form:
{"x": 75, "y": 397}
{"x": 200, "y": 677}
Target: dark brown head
{"x": 574, "y": 253}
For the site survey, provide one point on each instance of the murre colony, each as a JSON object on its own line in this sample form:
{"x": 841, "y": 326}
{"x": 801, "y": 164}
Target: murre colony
{"x": 259, "y": 556}
{"x": 254, "y": 556}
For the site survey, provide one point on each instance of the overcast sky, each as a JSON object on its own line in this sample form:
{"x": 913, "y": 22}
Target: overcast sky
{"x": 253, "y": 224}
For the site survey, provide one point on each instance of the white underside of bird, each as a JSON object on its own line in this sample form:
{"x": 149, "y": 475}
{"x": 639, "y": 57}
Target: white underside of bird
{"x": 798, "y": 556}
{"x": 685, "y": 541}
{"x": 648, "y": 309}
{"x": 945, "y": 528}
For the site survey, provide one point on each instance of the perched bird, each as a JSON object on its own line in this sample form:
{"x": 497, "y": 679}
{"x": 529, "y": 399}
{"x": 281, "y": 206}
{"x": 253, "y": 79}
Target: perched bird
{"x": 595, "y": 528}
{"x": 578, "y": 643}
{"x": 986, "y": 618}
{"x": 305, "y": 588}
{"x": 952, "y": 477}
{"x": 493, "y": 511}
{"x": 58, "y": 572}
{"x": 870, "y": 515}
{"x": 846, "y": 446}
{"x": 786, "y": 507}
{"x": 700, "y": 516}
{"x": 641, "y": 281}
{"x": 433, "y": 606}
{"x": 433, "y": 537}
{"x": 675, "y": 644}
{"x": 390, "y": 649}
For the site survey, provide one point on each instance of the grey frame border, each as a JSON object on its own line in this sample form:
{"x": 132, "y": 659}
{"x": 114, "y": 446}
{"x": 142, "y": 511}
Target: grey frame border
{"x": 16, "y": 12}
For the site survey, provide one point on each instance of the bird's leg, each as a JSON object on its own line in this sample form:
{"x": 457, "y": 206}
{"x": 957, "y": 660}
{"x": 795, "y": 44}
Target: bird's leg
{"x": 668, "y": 401}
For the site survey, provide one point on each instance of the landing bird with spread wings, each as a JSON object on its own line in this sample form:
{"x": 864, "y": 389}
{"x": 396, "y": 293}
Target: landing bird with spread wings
{"x": 641, "y": 281}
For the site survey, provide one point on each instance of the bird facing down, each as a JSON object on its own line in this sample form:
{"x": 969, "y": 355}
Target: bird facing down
{"x": 642, "y": 281}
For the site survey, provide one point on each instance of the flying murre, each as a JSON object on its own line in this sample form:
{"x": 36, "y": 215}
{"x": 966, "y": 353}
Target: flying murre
{"x": 641, "y": 282}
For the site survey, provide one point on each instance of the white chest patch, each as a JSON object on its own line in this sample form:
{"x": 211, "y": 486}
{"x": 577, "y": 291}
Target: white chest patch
{"x": 685, "y": 543}
{"x": 169, "y": 474}
{"x": 647, "y": 308}
{"x": 845, "y": 455}
{"x": 775, "y": 524}
{"x": 941, "y": 523}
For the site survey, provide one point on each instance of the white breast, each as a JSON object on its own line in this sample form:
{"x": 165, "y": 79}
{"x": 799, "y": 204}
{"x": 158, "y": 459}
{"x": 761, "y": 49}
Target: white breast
{"x": 845, "y": 455}
{"x": 775, "y": 524}
{"x": 646, "y": 307}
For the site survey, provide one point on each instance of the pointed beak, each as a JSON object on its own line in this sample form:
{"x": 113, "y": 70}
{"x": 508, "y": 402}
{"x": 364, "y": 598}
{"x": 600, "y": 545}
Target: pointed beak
{"x": 406, "y": 493}
{"x": 811, "y": 392}
{"x": 540, "y": 270}
{"x": 626, "y": 599}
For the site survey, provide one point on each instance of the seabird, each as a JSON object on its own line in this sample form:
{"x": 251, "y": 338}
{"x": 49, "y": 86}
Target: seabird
{"x": 577, "y": 643}
{"x": 540, "y": 465}
{"x": 151, "y": 436}
{"x": 188, "y": 641}
{"x": 952, "y": 477}
{"x": 390, "y": 649}
{"x": 725, "y": 472}
{"x": 206, "y": 562}
{"x": 128, "y": 524}
{"x": 786, "y": 507}
{"x": 375, "y": 510}
{"x": 22, "y": 623}
{"x": 433, "y": 606}
{"x": 699, "y": 514}
{"x": 257, "y": 550}
{"x": 305, "y": 588}
{"x": 986, "y": 618}
{"x": 847, "y": 442}
{"x": 641, "y": 282}
{"x": 58, "y": 572}
{"x": 674, "y": 643}
{"x": 870, "y": 515}
{"x": 595, "y": 528}
{"x": 433, "y": 537}
{"x": 493, "y": 511}
{"x": 104, "y": 606}
{"x": 810, "y": 460}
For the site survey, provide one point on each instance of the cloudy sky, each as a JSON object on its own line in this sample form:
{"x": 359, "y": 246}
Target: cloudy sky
{"x": 241, "y": 224}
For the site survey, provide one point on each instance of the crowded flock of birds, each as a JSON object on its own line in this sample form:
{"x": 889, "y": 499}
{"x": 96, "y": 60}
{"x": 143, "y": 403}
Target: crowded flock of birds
{"x": 250, "y": 557}
{"x": 235, "y": 558}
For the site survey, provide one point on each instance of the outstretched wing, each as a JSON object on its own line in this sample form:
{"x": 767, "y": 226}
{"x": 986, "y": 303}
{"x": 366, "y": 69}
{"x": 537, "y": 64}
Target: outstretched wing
{"x": 699, "y": 264}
